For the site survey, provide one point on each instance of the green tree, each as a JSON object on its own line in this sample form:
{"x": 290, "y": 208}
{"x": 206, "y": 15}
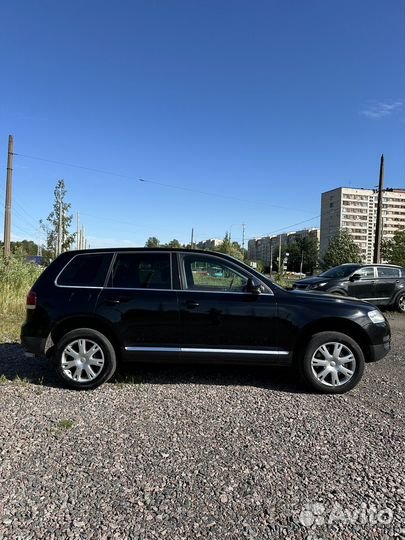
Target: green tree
{"x": 393, "y": 251}
{"x": 175, "y": 244}
{"x": 230, "y": 248}
{"x": 52, "y": 229}
{"x": 342, "y": 249}
{"x": 152, "y": 242}
{"x": 305, "y": 250}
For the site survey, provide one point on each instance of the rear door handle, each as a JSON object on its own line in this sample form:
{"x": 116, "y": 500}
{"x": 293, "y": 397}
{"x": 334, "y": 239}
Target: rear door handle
{"x": 191, "y": 304}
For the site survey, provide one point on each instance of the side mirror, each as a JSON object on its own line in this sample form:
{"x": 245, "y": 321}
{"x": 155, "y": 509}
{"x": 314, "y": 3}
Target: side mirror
{"x": 355, "y": 277}
{"x": 253, "y": 286}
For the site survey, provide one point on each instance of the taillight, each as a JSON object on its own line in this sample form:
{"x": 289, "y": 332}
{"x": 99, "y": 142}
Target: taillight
{"x": 31, "y": 300}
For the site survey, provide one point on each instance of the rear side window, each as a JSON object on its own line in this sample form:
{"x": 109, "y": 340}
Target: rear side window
{"x": 141, "y": 271}
{"x": 86, "y": 270}
{"x": 387, "y": 272}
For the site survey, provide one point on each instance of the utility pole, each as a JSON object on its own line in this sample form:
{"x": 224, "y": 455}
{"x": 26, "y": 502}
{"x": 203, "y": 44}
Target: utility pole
{"x": 59, "y": 248}
{"x": 192, "y": 238}
{"x": 271, "y": 257}
{"x": 243, "y": 237}
{"x": 83, "y": 238}
{"x": 302, "y": 261}
{"x": 279, "y": 255}
{"x": 378, "y": 225}
{"x": 78, "y": 232}
{"x": 7, "y": 213}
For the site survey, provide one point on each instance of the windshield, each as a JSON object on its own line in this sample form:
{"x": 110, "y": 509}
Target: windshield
{"x": 340, "y": 271}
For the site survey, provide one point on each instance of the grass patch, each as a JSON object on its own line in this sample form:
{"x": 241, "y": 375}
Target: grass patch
{"x": 65, "y": 424}
{"x": 20, "y": 381}
{"x": 121, "y": 381}
{"x": 16, "y": 278}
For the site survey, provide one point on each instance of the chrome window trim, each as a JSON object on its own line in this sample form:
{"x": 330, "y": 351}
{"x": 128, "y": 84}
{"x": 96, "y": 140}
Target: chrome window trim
{"x": 186, "y": 291}
{"x": 82, "y": 286}
{"x": 205, "y": 350}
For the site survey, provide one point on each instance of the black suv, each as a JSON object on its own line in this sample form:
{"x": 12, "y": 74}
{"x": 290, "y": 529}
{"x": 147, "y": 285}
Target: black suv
{"x": 91, "y": 309}
{"x": 380, "y": 284}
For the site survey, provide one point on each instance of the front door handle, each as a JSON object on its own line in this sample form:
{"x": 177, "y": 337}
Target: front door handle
{"x": 191, "y": 304}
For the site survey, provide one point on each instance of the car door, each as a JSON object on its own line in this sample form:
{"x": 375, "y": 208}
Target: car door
{"x": 388, "y": 281}
{"x": 219, "y": 319}
{"x": 365, "y": 286}
{"x": 141, "y": 306}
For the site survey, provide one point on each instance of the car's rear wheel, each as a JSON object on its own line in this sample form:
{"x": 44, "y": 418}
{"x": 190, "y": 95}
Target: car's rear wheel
{"x": 400, "y": 303}
{"x": 84, "y": 358}
{"x": 332, "y": 363}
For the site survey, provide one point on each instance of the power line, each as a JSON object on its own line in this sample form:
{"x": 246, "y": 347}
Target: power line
{"x": 154, "y": 182}
{"x": 288, "y": 227}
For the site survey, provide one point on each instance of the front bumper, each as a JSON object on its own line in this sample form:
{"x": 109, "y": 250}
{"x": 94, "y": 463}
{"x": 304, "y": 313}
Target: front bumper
{"x": 382, "y": 349}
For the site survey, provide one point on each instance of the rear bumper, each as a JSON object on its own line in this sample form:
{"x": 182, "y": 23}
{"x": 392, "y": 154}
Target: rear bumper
{"x": 34, "y": 345}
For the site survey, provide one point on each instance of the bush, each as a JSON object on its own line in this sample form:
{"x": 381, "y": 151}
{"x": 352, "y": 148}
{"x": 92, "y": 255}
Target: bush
{"x": 16, "y": 278}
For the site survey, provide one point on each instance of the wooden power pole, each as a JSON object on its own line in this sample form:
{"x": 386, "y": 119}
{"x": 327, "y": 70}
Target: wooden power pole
{"x": 78, "y": 232}
{"x": 192, "y": 238}
{"x": 378, "y": 224}
{"x": 7, "y": 213}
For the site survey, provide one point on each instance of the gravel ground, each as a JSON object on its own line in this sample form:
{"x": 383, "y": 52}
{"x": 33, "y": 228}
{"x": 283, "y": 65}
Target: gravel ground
{"x": 203, "y": 452}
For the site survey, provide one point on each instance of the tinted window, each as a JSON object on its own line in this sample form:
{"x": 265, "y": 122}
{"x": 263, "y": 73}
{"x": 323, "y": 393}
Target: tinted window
{"x": 207, "y": 273}
{"x": 388, "y": 272}
{"x": 86, "y": 270}
{"x": 366, "y": 273}
{"x": 340, "y": 271}
{"x": 141, "y": 271}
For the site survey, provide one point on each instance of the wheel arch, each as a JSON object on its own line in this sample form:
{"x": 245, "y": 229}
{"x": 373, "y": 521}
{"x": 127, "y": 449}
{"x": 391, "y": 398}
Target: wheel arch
{"x": 344, "y": 326}
{"x": 74, "y": 322}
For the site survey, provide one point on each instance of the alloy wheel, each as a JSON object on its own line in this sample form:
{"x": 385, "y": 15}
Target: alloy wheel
{"x": 333, "y": 364}
{"x": 82, "y": 360}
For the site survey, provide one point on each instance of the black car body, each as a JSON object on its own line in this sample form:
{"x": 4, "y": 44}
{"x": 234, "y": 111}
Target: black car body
{"x": 193, "y": 306}
{"x": 380, "y": 284}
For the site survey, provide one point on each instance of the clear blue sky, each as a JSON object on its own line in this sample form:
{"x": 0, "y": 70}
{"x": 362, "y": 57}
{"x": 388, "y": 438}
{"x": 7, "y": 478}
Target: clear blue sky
{"x": 271, "y": 102}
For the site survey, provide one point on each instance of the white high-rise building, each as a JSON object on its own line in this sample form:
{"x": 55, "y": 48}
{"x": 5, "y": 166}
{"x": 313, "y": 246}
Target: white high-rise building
{"x": 356, "y": 210}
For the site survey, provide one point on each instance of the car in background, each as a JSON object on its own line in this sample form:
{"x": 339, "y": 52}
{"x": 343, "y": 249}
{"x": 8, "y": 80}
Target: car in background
{"x": 380, "y": 284}
{"x": 92, "y": 309}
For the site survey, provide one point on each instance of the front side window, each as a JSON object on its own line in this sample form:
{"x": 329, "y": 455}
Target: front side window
{"x": 387, "y": 272}
{"x": 141, "y": 271}
{"x": 210, "y": 274}
{"x": 87, "y": 270}
{"x": 366, "y": 273}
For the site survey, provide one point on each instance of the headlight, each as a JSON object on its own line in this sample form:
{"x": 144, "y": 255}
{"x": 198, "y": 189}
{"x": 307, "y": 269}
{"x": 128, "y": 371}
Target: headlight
{"x": 376, "y": 316}
{"x": 316, "y": 285}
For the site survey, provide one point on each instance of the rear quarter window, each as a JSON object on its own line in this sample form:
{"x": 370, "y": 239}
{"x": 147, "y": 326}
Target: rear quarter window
{"x": 388, "y": 272}
{"x": 85, "y": 271}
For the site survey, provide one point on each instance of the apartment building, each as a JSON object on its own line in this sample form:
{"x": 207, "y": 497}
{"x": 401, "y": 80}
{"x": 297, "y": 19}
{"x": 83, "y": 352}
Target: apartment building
{"x": 211, "y": 243}
{"x": 355, "y": 209}
{"x": 259, "y": 249}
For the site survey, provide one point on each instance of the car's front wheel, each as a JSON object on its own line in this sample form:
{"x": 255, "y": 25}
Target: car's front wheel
{"x": 84, "y": 358}
{"x": 332, "y": 363}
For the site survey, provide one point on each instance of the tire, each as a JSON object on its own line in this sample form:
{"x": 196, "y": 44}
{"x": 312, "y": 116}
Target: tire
{"x": 337, "y": 379}
{"x": 400, "y": 303}
{"x": 93, "y": 369}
